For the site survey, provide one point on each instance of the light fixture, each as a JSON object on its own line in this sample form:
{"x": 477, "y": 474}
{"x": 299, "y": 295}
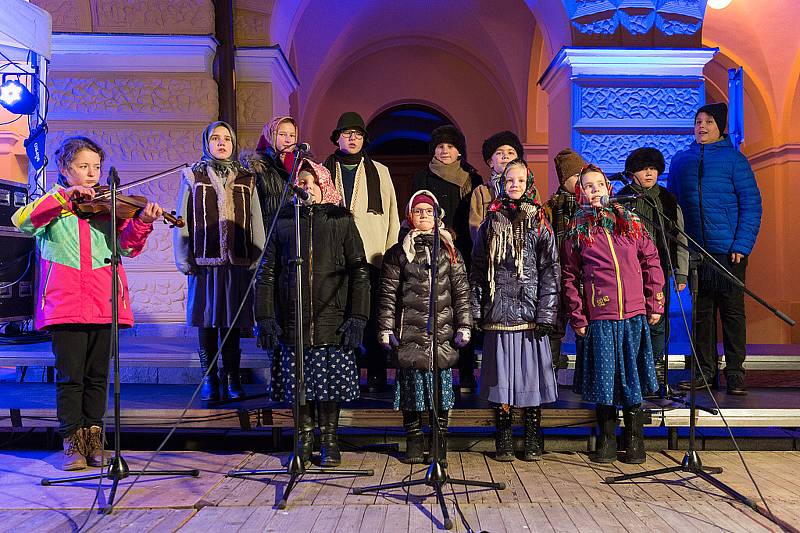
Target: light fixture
{"x": 719, "y": 4}
{"x": 16, "y": 97}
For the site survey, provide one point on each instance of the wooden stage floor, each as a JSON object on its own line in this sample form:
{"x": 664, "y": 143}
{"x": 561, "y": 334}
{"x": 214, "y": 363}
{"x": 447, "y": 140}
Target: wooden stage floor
{"x": 562, "y": 492}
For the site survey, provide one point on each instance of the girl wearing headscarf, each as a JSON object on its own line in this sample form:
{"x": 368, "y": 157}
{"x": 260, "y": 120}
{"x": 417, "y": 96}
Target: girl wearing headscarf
{"x": 335, "y": 289}
{"x": 403, "y": 314}
{"x": 609, "y": 252}
{"x": 515, "y": 281}
{"x": 217, "y": 249}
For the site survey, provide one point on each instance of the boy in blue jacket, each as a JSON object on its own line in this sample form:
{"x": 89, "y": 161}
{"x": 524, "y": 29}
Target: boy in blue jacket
{"x": 721, "y": 204}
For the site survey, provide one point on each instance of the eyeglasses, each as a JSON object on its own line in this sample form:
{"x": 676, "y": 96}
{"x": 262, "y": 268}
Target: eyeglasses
{"x": 420, "y": 212}
{"x": 357, "y": 134}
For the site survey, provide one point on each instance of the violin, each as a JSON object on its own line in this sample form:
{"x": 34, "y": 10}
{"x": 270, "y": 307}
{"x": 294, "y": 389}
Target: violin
{"x": 128, "y": 206}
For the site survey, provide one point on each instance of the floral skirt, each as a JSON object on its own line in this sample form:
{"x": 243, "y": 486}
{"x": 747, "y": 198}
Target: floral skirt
{"x": 330, "y": 373}
{"x": 616, "y": 364}
{"x": 414, "y": 389}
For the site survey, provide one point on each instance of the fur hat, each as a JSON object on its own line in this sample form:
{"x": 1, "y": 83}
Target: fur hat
{"x": 719, "y": 111}
{"x": 448, "y": 134}
{"x": 641, "y": 158}
{"x": 349, "y": 120}
{"x": 568, "y": 163}
{"x": 497, "y": 140}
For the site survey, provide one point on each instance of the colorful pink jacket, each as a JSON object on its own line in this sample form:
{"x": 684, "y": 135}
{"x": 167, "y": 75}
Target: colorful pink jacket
{"x": 74, "y": 283}
{"x": 621, "y": 277}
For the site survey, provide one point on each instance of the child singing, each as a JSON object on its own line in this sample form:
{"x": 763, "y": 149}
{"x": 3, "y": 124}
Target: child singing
{"x": 515, "y": 282}
{"x": 610, "y": 252}
{"x": 403, "y": 315}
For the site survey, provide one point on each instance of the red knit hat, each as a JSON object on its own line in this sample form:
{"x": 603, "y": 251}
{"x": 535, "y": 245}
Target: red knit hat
{"x": 422, "y": 199}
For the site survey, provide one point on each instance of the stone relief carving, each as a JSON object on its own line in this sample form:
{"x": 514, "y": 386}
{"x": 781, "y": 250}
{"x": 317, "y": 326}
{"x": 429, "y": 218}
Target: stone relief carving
{"x": 670, "y": 17}
{"x": 192, "y": 17}
{"x": 133, "y": 145}
{"x": 196, "y": 97}
{"x": 611, "y": 150}
{"x": 639, "y": 102}
{"x": 254, "y": 103}
{"x": 158, "y": 297}
{"x": 68, "y": 15}
{"x": 250, "y": 28}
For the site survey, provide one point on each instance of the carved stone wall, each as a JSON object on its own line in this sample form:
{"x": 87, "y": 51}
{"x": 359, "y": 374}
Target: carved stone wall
{"x": 173, "y": 17}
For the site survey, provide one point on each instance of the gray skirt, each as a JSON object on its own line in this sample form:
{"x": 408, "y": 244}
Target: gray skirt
{"x": 517, "y": 369}
{"x": 215, "y": 294}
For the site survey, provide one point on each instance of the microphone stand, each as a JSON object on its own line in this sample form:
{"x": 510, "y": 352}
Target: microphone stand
{"x": 295, "y": 467}
{"x": 118, "y": 468}
{"x": 691, "y": 462}
{"x": 436, "y": 475}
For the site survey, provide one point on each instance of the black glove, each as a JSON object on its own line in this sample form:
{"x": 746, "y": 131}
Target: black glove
{"x": 542, "y": 330}
{"x": 352, "y": 332}
{"x": 267, "y": 333}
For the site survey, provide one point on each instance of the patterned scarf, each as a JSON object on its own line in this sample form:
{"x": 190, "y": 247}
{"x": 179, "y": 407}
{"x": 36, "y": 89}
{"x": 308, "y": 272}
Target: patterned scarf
{"x": 323, "y": 178}
{"x": 223, "y": 167}
{"x": 615, "y": 218}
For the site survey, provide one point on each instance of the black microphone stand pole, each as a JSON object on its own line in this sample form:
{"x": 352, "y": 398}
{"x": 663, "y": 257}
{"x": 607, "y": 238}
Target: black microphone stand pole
{"x": 436, "y": 475}
{"x": 118, "y": 468}
{"x": 295, "y": 468}
{"x": 691, "y": 462}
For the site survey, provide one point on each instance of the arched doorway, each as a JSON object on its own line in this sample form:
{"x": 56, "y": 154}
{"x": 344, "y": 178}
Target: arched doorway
{"x": 399, "y": 138}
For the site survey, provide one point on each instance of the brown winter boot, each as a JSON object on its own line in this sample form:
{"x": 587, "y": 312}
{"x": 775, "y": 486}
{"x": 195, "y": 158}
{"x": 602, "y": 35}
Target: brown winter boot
{"x": 93, "y": 447}
{"x": 73, "y": 458}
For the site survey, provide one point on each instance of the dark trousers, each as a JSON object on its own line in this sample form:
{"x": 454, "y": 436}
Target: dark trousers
{"x": 658, "y": 337}
{"x": 730, "y": 305}
{"x": 82, "y": 361}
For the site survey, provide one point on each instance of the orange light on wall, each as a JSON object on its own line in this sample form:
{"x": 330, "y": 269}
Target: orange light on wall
{"x": 718, "y": 4}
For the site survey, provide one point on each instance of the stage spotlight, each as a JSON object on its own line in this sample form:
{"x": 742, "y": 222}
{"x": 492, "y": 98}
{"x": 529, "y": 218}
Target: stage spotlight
{"x": 15, "y": 97}
{"x": 718, "y": 4}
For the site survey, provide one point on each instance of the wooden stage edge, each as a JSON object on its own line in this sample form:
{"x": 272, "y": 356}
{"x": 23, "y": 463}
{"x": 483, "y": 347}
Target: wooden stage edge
{"x": 560, "y": 492}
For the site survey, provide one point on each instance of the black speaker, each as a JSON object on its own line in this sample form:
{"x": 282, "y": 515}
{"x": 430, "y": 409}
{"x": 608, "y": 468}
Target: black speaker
{"x": 13, "y": 195}
{"x": 17, "y": 275}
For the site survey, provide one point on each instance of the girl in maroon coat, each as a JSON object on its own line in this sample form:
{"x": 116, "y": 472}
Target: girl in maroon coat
{"x": 609, "y": 253}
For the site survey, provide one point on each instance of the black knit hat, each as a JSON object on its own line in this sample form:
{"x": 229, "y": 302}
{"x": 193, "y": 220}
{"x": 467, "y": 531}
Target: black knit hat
{"x": 497, "y": 140}
{"x": 349, "y": 120}
{"x": 719, "y": 111}
{"x": 448, "y": 134}
{"x": 641, "y": 158}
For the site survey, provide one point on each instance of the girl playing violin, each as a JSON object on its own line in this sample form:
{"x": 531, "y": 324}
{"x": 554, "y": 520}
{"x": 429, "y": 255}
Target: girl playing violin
{"x": 74, "y": 292}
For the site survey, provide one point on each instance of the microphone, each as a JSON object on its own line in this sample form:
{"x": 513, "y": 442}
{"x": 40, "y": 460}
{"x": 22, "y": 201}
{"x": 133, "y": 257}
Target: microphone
{"x": 620, "y": 176}
{"x": 113, "y": 177}
{"x": 606, "y": 201}
{"x": 299, "y": 192}
{"x": 302, "y": 147}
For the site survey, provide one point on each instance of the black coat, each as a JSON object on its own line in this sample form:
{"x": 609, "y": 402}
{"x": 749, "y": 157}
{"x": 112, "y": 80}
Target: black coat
{"x": 334, "y": 274}
{"x": 519, "y": 302}
{"x": 271, "y": 178}
{"x": 456, "y": 208}
{"x": 403, "y": 300}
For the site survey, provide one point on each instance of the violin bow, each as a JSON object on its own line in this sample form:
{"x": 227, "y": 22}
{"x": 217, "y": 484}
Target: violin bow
{"x": 148, "y": 179}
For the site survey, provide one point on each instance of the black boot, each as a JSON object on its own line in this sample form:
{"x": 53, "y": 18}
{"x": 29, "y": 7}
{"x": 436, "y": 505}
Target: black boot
{"x": 607, "y": 439}
{"x": 231, "y": 382}
{"x": 503, "y": 436}
{"x": 415, "y": 440}
{"x": 209, "y": 390}
{"x": 633, "y": 433}
{"x": 306, "y": 430}
{"x": 444, "y": 418}
{"x": 534, "y": 438}
{"x": 328, "y": 426}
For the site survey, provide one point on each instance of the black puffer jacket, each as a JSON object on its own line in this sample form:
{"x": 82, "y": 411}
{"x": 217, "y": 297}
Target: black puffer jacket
{"x": 403, "y": 299}
{"x": 271, "y": 180}
{"x": 519, "y": 302}
{"x": 335, "y": 275}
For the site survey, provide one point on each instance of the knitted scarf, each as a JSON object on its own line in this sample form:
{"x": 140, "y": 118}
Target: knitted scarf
{"x": 221, "y": 166}
{"x": 374, "y": 204}
{"x": 453, "y": 173}
{"x": 615, "y": 218}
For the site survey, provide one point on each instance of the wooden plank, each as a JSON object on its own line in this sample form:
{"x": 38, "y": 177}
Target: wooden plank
{"x": 657, "y": 488}
{"x": 558, "y": 517}
{"x": 623, "y": 514}
{"x": 515, "y": 488}
{"x": 732, "y": 521}
{"x": 350, "y": 519}
{"x": 535, "y": 517}
{"x": 374, "y": 518}
{"x": 172, "y": 521}
{"x": 378, "y": 463}
{"x": 537, "y": 486}
{"x": 336, "y": 488}
{"x": 776, "y": 479}
{"x": 556, "y": 472}
{"x": 490, "y": 517}
{"x": 513, "y": 519}
{"x": 604, "y": 518}
{"x": 590, "y": 479}
{"x": 581, "y": 518}
{"x": 475, "y": 466}
{"x": 397, "y": 517}
{"x": 257, "y": 521}
{"x": 678, "y": 520}
{"x": 652, "y": 520}
{"x": 328, "y": 518}
{"x": 235, "y": 491}
{"x": 419, "y": 519}
{"x": 272, "y": 485}
{"x": 395, "y": 471}
{"x": 470, "y": 512}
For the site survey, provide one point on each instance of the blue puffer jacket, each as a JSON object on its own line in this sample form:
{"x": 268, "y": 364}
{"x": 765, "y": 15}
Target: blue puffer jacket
{"x": 721, "y": 208}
